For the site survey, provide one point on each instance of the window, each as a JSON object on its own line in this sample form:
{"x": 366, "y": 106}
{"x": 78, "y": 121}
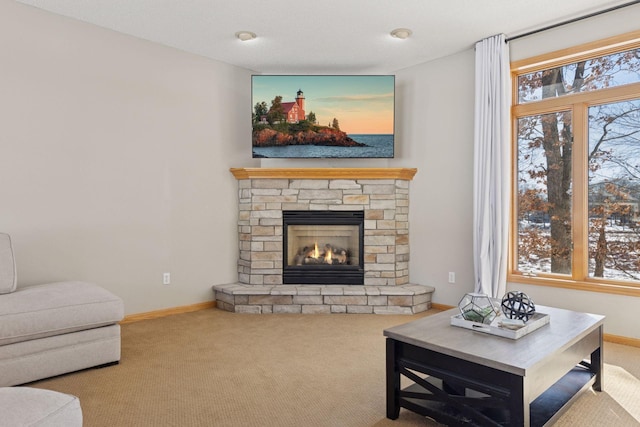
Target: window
{"x": 576, "y": 195}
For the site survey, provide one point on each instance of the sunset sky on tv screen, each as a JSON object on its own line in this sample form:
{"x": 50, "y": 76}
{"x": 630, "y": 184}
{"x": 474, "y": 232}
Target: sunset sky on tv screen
{"x": 362, "y": 104}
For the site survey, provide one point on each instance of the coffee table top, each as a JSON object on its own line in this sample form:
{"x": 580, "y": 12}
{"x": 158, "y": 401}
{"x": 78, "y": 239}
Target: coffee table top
{"x": 516, "y": 356}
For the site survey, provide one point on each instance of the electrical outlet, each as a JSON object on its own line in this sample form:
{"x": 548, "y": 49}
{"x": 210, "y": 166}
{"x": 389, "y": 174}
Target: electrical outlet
{"x": 452, "y": 277}
{"x": 166, "y": 278}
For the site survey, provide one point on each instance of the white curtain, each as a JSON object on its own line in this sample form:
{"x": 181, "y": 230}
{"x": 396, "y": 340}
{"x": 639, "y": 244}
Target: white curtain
{"x": 491, "y": 166}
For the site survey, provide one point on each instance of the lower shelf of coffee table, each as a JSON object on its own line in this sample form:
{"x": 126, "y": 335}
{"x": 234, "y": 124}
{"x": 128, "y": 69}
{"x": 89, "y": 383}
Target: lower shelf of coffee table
{"x": 544, "y": 410}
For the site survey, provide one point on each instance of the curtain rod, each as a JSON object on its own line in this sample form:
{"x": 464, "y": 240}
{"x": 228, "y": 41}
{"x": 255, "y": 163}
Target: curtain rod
{"x": 570, "y": 21}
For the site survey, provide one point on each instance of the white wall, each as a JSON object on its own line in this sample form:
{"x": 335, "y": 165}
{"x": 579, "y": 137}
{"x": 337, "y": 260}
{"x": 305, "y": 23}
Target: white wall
{"x": 115, "y": 157}
{"x": 435, "y": 131}
{"x": 588, "y": 30}
{"x": 435, "y": 135}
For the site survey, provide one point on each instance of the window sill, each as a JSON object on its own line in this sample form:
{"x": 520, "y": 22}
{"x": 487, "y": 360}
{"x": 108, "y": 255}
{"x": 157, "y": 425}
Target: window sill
{"x": 607, "y": 288}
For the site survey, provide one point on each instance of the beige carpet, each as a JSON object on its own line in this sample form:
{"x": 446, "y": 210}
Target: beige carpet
{"x": 213, "y": 368}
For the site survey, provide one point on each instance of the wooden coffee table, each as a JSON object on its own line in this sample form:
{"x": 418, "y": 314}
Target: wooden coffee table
{"x": 462, "y": 377}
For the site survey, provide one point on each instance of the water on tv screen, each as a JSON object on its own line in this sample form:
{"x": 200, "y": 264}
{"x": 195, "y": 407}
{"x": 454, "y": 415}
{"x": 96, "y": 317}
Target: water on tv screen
{"x": 350, "y": 116}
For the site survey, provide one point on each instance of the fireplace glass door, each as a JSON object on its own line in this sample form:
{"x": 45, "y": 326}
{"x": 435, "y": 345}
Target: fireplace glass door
{"x": 323, "y": 247}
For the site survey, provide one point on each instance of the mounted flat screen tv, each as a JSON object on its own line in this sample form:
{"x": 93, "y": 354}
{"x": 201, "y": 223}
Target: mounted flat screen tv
{"x": 320, "y": 116}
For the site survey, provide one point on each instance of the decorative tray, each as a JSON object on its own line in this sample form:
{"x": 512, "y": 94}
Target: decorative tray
{"x": 536, "y": 321}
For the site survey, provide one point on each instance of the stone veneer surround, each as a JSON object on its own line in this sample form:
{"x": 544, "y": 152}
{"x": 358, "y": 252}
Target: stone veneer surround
{"x": 383, "y": 195}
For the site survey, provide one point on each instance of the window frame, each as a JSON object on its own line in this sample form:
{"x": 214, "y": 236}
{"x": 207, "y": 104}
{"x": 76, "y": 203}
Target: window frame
{"x": 579, "y": 104}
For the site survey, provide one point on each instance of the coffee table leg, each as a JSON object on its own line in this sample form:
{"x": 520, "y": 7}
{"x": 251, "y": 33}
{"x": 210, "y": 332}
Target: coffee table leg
{"x": 519, "y": 404}
{"x": 393, "y": 382}
{"x": 597, "y": 366}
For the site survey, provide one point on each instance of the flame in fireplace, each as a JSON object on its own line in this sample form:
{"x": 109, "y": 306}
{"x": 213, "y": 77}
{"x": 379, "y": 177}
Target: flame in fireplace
{"x": 326, "y": 255}
{"x": 331, "y": 255}
{"x": 316, "y": 253}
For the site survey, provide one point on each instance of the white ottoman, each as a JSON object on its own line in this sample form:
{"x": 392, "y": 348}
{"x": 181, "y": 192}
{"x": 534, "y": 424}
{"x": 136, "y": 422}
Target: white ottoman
{"x": 24, "y": 406}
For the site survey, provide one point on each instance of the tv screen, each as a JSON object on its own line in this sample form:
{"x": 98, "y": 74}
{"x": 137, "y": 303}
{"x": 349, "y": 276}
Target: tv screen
{"x": 316, "y": 116}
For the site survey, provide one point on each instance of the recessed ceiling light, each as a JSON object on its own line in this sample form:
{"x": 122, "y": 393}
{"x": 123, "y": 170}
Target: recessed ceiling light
{"x": 401, "y": 33}
{"x": 245, "y": 35}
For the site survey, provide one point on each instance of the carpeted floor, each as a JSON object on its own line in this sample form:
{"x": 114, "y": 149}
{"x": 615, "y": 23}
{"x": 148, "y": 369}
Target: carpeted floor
{"x": 213, "y": 368}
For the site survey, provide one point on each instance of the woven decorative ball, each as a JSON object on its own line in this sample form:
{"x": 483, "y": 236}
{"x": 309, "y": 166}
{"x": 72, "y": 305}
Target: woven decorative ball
{"x": 517, "y": 305}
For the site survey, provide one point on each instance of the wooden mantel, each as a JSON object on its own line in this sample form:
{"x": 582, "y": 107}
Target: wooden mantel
{"x": 324, "y": 173}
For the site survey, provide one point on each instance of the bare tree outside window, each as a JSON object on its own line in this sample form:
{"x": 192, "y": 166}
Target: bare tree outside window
{"x": 614, "y": 190}
{"x": 544, "y": 197}
{"x": 546, "y": 145}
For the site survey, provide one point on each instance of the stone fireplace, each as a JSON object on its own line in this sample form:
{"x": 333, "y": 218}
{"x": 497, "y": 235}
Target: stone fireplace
{"x": 358, "y": 218}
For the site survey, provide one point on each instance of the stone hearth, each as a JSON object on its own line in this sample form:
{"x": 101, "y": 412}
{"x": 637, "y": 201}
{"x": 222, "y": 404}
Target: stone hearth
{"x": 383, "y": 195}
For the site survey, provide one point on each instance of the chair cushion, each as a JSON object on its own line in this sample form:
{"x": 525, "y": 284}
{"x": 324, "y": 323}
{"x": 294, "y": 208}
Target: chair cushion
{"x": 56, "y": 308}
{"x": 24, "y": 406}
{"x": 8, "y": 279}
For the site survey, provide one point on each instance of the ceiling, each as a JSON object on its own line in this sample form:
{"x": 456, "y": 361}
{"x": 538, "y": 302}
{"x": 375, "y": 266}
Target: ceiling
{"x": 321, "y": 36}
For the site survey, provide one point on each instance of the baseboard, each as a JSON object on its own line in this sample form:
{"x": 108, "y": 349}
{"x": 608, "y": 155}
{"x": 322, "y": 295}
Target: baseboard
{"x": 617, "y": 339}
{"x": 168, "y": 312}
{"x": 442, "y": 307}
